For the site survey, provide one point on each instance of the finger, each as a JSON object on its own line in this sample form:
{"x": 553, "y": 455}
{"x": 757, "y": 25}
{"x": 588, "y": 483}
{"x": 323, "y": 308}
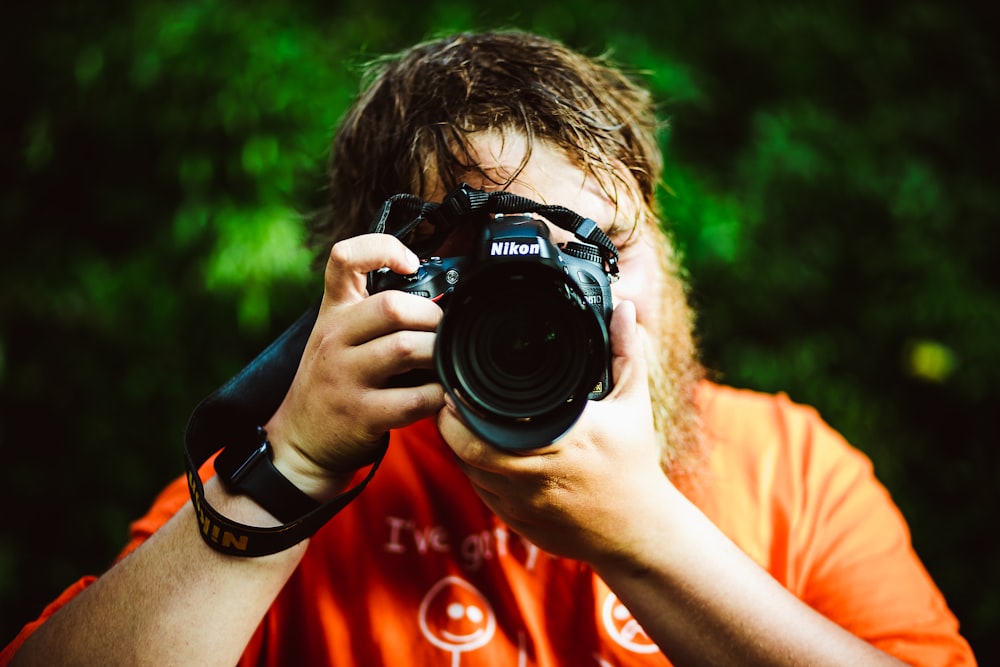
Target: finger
{"x": 628, "y": 361}
{"x": 352, "y": 259}
{"x": 482, "y": 456}
{"x": 393, "y": 354}
{"x": 624, "y": 330}
{"x": 398, "y": 407}
{"x": 467, "y": 447}
{"x": 386, "y": 312}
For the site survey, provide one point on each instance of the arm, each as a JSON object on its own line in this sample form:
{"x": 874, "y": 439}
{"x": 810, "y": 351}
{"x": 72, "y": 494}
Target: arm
{"x": 177, "y": 601}
{"x": 173, "y": 601}
{"x": 698, "y": 594}
{"x": 600, "y": 496}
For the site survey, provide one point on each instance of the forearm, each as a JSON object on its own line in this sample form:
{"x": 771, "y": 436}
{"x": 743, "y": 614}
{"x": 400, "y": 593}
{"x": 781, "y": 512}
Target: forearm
{"x": 705, "y": 602}
{"x": 173, "y": 601}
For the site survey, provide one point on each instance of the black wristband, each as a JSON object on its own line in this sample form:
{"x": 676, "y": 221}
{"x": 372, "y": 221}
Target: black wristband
{"x": 237, "y": 539}
{"x": 248, "y": 469}
{"x": 231, "y": 414}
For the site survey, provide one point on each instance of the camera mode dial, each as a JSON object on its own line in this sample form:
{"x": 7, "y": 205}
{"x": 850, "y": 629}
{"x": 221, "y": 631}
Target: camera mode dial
{"x": 435, "y": 278}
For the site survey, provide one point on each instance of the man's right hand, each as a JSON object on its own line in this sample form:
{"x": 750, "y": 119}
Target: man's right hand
{"x": 340, "y": 402}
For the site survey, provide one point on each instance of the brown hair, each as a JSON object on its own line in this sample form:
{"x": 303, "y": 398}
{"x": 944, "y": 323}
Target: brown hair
{"x": 409, "y": 127}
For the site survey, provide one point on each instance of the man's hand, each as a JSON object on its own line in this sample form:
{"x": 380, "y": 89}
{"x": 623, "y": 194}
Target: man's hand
{"x": 339, "y": 405}
{"x": 582, "y": 497}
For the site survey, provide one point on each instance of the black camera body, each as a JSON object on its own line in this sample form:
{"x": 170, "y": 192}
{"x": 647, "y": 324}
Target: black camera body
{"x": 523, "y": 342}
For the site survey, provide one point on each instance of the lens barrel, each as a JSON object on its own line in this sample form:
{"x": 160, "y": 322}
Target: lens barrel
{"x": 520, "y": 349}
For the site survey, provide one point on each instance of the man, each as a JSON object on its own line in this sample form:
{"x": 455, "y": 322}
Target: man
{"x": 676, "y": 522}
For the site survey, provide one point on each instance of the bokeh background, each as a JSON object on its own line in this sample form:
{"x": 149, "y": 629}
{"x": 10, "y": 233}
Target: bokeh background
{"x": 831, "y": 179}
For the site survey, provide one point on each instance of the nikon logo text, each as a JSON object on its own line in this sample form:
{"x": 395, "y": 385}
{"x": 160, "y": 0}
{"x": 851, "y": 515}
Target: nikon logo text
{"x": 506, "y": 248}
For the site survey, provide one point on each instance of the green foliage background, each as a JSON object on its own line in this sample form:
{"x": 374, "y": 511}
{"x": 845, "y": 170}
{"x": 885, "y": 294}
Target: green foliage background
{"x": 830, "y": 180}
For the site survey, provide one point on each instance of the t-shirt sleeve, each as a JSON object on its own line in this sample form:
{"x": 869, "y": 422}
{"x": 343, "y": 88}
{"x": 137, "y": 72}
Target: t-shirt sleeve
{"x": 170, "y": 500}
{"x": 806, "y": 506}
{"x": 851, "y": 549}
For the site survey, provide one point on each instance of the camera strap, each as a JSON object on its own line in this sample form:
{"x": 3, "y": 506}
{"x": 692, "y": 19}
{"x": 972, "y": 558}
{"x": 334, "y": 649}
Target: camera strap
{"x": 402, "y": 214}
{"x": 230, "y": 416}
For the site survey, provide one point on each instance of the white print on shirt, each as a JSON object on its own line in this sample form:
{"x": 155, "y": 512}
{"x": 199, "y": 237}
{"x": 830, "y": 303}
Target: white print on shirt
{"x": 623, "y": 628}
{"x": 472, "y": 550}
{"x": 456, "y": 617}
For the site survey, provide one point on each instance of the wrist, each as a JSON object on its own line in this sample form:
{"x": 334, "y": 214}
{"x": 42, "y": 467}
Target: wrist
{"x": 249, "y": 471}
{"x": 300, "y": 468}
{"x": 246, "y": 466}
{"x": 238, "y": 507}
{"x": 306, "y": 475}
{"x": 631, "y": 546}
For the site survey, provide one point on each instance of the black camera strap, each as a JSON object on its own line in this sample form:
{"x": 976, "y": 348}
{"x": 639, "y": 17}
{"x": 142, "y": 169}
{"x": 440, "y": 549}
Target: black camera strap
{"x": 402, "y": 214}
{"x": 230, "y": 417}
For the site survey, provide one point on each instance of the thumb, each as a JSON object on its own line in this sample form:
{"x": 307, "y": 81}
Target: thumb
{"x": 628, "y": 360}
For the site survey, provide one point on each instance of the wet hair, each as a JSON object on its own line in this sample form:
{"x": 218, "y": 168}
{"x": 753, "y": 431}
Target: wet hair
{"x": 409, "y": 128}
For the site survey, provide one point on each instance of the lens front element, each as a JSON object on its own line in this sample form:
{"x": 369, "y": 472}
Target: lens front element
{"x": 520, "y": 349}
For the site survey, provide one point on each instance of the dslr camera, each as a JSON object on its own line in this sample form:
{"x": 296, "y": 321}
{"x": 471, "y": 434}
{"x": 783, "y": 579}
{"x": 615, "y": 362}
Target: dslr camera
{"x": 523, "y": 342}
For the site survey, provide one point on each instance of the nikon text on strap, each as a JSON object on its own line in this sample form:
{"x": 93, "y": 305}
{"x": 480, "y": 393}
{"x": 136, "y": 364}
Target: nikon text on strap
{"x": 230, "y": 417}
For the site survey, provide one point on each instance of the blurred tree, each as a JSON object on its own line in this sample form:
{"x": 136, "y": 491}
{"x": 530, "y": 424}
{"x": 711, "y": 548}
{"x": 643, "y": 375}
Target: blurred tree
{"x": 828, "y": 178}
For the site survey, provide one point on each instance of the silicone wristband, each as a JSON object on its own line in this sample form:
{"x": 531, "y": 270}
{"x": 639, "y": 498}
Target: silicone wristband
{"x": 237, "y": 539}
{"x": 248, "y": 469}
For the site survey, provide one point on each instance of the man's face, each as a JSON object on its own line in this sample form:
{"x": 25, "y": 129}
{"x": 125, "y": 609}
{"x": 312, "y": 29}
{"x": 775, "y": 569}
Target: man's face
{"x": 550, "y": 177}
{"x": 647, "y": 278}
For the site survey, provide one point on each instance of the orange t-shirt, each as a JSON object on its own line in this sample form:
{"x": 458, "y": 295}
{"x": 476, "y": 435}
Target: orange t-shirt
{"x": 419, "y": 571}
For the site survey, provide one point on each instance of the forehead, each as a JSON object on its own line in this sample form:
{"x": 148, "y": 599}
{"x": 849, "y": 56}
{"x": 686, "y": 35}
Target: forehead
{"x": 548, "y": 176}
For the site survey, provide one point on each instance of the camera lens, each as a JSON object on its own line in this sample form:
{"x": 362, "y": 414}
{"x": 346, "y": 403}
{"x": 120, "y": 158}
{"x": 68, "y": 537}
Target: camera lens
{"x": 518, "y": 348}
{"x": 519, "y": 345}
{"x": 519, "y": 360}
